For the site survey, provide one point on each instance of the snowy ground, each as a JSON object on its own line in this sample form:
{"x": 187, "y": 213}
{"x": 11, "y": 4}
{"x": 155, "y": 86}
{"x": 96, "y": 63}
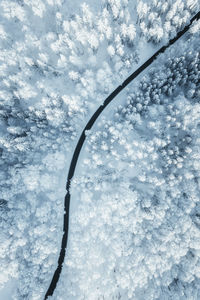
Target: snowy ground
{"x": 58, "y": 63}
{"x": 8, "y": 290}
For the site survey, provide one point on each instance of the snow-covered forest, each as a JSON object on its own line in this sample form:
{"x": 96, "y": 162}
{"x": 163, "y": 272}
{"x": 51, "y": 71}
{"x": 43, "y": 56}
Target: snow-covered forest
{"x": 135, "y": 213}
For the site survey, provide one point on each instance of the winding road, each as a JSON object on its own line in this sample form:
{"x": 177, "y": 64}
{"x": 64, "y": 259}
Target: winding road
{"x": 81, "y": 141}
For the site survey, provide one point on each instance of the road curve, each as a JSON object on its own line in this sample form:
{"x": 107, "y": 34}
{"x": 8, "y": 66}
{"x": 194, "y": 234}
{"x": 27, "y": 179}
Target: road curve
{"x": 80, "y": 143}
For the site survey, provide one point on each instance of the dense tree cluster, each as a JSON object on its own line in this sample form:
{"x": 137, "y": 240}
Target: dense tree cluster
{"x": 180, "y": 72}
{"x": 160, "y": 19}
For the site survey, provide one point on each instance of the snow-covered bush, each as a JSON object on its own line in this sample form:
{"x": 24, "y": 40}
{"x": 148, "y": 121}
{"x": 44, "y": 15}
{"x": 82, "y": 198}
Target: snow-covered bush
{"x": 160, "y": 19}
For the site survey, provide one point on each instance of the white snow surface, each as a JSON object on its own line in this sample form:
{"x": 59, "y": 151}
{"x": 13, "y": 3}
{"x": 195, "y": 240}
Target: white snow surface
{"x": 7, "y": 291}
